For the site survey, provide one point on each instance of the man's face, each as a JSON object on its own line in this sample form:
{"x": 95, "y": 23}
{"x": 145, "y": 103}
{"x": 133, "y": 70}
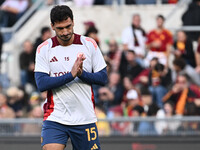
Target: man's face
{"x": 133, "y": 102}
{"x": 182, "y": 81}
{"x": 160, "y": 22}
{"x": 28, "y": 47}
{"x": 114, "y": 78}
{"x": 64, "y": 29}
{"x": 168, "y": 108}
{"x": 177, "y": 68}
{"x": 136, "y": 20}
{"x": 181, "y": 36}
{"x": 113, "y": 46}
{"x": 130, "y": 57}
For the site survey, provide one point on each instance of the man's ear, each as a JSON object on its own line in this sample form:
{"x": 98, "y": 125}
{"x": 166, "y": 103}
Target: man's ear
{"x": 52, "y": 26}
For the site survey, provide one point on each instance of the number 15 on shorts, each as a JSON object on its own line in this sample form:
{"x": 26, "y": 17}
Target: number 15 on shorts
{"x": 91, "y": 133}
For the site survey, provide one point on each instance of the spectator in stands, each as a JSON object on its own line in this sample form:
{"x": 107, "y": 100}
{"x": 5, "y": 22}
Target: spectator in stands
{"x": 34, "y": 100}
{"x": 5, "y": 110}
{"x": 134, "y": 37}
{"x": 181, "y": 94}
{"x": 147, "y": 127}
{"x": 184, "y": 49}
{"x": 141, "y": 81}
{"x": 16, "y": 100}
{"x": 43, "y": 95}
{"x": 87, "y": 25}
{"x": 159, "y": 80}
{"x": 33, "y": 129}
{"x": 192, "y": 18}
{"x": 198, "y": 56}
{"x": 180, "y": 67}
{"x": 103, "y": 126}
{"x": 127, "y": 84}
{"x": 122, "y": 128}
{"x": 137, "y": 111}
{"x": 11, "y": 11}
{"x": 129, "y": 66}
{"x": 146, "y": 101}
{"x": 92, "y": 32}
{"x": 133, "y": 101}
{"x": 164, "y": 127}
{"x": 45, "y": 34}
{"x": 27, "y": 65}
{"x": 36, "y": 112}
{"x": 112, "y": 94}
{"x": 159, "y": 42}
{"x": 114, "y": 54}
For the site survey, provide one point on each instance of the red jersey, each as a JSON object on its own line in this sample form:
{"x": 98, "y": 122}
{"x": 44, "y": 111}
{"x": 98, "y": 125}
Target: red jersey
{"x": 165, "y": 37}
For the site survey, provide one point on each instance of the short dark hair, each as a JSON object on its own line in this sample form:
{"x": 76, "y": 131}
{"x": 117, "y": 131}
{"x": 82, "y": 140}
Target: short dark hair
{"x": 161, "y": 16}
{"x": 155, "y": 58}
{"x": 153, "y": 108}
{"x": 91, "y": 30}
{"x": 139, "y": 109}
{"x": 44, "y": 30}
{"x": 131, "y": 51}
{"x": 180, "y": 63}
{"x": 60, "y": 13}
{"x": 159, "y": 67}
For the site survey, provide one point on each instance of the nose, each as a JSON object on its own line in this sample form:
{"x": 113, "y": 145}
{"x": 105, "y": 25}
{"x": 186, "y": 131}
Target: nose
{"x": 65, "y": 31}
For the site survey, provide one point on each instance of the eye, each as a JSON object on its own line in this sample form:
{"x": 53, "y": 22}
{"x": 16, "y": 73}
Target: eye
{"x": 68, "y": 26}
{"x": 59, "y": 28}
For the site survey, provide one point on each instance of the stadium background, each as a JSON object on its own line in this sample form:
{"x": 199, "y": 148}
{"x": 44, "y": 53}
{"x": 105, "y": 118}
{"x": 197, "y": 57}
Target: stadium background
{"x": 21, "y": 130}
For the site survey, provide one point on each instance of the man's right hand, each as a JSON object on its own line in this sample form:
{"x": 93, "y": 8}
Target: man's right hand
{"x": 75, "y": 69}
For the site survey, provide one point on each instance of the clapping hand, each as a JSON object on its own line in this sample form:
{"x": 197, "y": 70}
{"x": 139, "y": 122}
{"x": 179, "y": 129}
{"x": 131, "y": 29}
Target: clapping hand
{"x": 77, "y": 68}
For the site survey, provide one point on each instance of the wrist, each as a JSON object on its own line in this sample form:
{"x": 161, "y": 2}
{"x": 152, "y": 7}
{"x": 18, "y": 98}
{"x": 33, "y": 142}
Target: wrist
{"x": 82, "y": 74}
{"x": 73, "y": 75}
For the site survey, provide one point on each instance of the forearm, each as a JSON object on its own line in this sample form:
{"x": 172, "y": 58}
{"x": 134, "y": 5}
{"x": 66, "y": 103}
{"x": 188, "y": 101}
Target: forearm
{"x": 99, "y": 78}
{"x": 45, "y": 82}
{"x": 168, "y": 51}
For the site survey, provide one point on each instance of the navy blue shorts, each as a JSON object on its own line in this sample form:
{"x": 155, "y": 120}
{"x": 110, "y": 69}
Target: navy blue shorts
{"x": 83, "y": 137}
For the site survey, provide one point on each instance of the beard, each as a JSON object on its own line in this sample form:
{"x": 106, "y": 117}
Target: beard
{"x": 65, "y": 38}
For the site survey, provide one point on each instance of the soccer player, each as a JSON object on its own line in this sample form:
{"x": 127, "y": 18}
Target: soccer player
{"x": 66, "y": 66}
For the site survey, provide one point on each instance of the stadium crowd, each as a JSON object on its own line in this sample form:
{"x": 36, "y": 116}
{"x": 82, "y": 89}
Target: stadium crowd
{"x": 150, "y": 74}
